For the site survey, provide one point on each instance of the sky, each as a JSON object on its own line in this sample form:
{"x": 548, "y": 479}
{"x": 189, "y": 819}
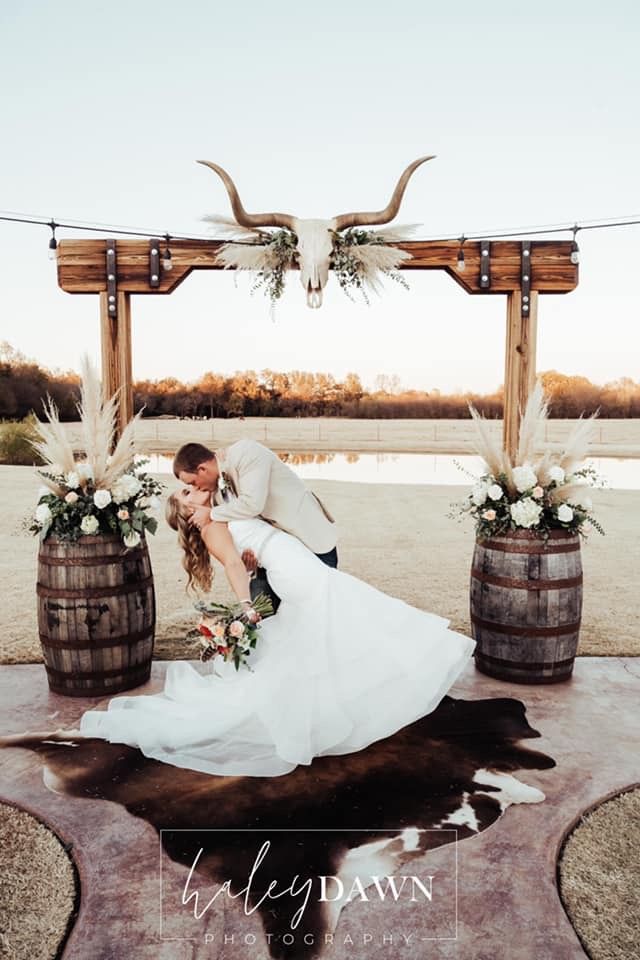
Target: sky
{"x": 316, "y": 109}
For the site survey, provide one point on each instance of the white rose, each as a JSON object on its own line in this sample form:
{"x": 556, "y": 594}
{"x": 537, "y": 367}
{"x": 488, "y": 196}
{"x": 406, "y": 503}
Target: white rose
{"x": 495, "y": 491}
{"x": 89, "y": 525}
{"x": 524, "y": 478}
{"x": 526, "y": 512}
{"x": 72, "y": 497}
{"x": 43, "y": 513}
{"x": 102, "y": 499}
{"x": 479, "y": 494}
{"x": 565, "y": 513}
{"x": 72, "y": 480}
{"x": 557, "y": 473}
{"x": 125, "y": 488}
{"x": 132, "y": 539}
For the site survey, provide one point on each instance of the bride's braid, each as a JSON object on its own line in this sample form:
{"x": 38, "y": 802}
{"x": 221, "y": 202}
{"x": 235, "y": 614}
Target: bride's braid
{"x": 196, "y": 559}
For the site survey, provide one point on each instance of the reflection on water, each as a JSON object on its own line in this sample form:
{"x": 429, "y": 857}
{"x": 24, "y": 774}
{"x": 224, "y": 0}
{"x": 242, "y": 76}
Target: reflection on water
{"x": 416, "y": 468}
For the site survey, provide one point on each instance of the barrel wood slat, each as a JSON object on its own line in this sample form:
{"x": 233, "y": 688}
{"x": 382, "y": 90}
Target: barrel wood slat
{"x": 96, "y": 614}
{"x": 526, "y": 605}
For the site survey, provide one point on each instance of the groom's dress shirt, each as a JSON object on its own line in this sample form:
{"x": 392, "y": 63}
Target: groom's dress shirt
{"x": 268, "y": 488}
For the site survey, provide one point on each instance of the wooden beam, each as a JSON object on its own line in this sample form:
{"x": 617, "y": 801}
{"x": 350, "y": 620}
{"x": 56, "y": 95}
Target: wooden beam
{"x": 116, "y": 356}
{"x": 81, "y": 264}
{"x": 520, "y": 365}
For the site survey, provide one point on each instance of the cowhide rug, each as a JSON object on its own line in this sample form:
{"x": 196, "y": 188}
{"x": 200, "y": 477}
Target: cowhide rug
{"x": 373, "y": 813}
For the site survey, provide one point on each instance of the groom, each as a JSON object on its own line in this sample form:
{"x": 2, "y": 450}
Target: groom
{"x": 248, "y": 480}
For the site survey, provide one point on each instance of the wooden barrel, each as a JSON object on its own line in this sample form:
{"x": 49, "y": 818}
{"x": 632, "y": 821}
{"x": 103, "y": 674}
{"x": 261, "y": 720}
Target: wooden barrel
{"x": 96, "y": 614}
{"x": 526, "y": 605}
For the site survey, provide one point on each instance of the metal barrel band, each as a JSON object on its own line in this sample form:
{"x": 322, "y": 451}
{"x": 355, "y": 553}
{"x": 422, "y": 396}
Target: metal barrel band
{"x": 523, "y": 547}
{"x": 98, "y": 643}
{"x": 134, "y": 554}
{"x": 526, "y": 631}
{"x": 526, "y": 664}
{"x": 512, "y": 583}
{"x": 93, "y": 593}
{"x": 58, "y": 675}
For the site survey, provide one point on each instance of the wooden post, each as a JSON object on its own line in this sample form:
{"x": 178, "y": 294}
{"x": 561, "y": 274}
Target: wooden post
{"x": 116, "y": 356}
{"x": 520, "y": 365}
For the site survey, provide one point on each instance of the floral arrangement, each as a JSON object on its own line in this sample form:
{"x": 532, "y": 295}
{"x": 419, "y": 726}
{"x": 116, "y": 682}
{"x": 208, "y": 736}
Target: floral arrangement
{"x": 358, "y": 257}
{"x": 100, "y": 492}
{"x": 538, "y": 493}
{"x": 230, "y": 632}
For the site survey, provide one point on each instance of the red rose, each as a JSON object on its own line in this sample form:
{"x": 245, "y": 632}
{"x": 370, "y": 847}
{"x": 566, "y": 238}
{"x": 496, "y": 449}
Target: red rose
{"x": 204, "y": 630}
{"x": 223, "y": 650}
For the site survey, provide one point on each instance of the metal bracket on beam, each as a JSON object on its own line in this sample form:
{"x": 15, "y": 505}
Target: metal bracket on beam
{"x": 485, "y": 265}
{"x": 154, "y": 262}
{"x": 112, "y": 278}
{"x": 525, "y": 277}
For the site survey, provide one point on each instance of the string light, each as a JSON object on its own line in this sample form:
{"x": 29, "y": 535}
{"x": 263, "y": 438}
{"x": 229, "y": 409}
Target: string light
{"x": 575, "y": 250}
{"x": 167, "y": 263}
{"x": 53, "y": 243}
{"x": 460, "y": 264}
{"x": 631, "y": 220}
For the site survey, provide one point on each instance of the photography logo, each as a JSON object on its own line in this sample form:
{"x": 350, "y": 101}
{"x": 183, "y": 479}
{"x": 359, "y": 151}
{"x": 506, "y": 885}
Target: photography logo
{"x": 308, "y": 888}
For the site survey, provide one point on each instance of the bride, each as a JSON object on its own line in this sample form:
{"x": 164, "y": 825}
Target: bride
{"x": 339, "y": 666}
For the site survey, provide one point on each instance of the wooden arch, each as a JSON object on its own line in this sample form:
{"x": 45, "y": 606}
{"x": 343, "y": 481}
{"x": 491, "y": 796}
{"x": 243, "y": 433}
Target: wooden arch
{"x": 521, "y": 269}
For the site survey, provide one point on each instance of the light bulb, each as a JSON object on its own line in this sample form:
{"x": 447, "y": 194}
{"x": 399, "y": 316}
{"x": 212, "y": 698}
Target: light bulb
{"x": 575, "y": 254}
{"x": 460, "y": 265}
{"x": 167, "y": 262}
{"x": 53, "y": 249}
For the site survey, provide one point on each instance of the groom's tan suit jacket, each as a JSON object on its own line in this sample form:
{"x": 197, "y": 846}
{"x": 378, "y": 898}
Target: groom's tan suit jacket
{"x": 268, "y": 488}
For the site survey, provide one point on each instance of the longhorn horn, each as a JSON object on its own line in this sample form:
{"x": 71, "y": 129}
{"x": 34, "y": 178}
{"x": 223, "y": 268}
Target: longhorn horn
{"x": 345, "y": 220}
{"x": 242, "y": 217}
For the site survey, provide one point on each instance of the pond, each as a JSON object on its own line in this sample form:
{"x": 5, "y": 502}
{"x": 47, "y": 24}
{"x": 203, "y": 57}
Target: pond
{"x": 415, "y": 468}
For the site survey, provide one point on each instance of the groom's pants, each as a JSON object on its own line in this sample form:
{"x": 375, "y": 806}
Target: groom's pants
{"x": 260, "y": 583}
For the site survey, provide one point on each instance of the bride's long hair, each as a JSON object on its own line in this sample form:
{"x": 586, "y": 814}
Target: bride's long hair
{"x": 196, "y": 559}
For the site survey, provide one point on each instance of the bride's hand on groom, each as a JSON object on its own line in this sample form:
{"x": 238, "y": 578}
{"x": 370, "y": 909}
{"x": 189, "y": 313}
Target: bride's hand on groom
{"x": 200, "y": 517}
{"x": 250, "y": 561}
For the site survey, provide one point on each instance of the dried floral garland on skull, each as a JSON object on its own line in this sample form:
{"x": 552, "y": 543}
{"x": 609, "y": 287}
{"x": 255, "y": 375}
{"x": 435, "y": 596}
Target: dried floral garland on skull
{"x": 358, "y": 258}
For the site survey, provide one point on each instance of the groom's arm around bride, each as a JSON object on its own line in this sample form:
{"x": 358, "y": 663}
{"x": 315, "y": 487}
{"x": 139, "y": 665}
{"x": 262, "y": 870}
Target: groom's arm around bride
{"x": 262, "y": 486}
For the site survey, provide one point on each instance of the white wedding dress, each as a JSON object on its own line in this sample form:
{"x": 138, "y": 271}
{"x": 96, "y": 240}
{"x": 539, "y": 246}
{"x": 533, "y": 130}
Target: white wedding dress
{"x": 339, "y": 666}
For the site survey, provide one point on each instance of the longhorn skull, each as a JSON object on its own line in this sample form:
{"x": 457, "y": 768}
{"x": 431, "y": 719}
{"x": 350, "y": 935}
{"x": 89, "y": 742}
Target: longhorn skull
{"x": 315, "y": 237}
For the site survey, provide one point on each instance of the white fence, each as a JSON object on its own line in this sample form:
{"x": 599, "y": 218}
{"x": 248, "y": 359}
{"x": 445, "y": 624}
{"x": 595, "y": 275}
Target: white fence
{"x": 159, "y": 435}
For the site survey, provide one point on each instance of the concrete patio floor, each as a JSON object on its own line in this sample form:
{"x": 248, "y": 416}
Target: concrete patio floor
{"x": 508, "y": 904}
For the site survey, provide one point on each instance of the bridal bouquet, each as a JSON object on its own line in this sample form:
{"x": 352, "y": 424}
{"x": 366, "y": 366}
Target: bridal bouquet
{"x": 98, "y": 492}
{"x": 230, "y": 632}
{"x": 538, "y": 493}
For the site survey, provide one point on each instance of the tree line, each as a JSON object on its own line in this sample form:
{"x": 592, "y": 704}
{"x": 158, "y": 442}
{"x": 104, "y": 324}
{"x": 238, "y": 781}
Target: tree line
{"x": 25, "y": 384}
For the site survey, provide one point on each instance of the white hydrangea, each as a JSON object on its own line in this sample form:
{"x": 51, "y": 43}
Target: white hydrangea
{"x": 557, "y": 474}
{"x": 102, "y": 499}
{"x": 125, "y": 487}
{"x": 495, "y": 491}
{"x": 565, "y": 513}
{"x": 43, "y": 513}
{"x": 479, "y": 493}
{"x": 89, "y": 525}
{"x": 525, "y": 512}
{"x": 524, "y": 478}
{"x": 132, "y": 539}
